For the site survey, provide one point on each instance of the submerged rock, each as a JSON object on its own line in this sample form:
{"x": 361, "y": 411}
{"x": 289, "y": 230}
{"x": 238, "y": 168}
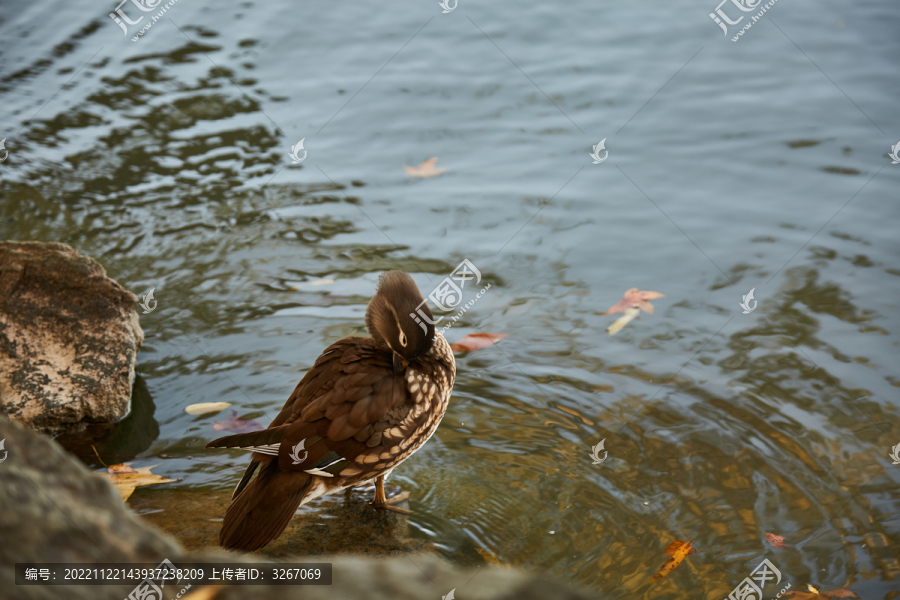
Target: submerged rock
{"x": 53, "y": 509}
{"x": 69, "y": 337}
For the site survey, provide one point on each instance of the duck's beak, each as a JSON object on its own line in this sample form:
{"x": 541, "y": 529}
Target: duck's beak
{"x": 400, "y": 363}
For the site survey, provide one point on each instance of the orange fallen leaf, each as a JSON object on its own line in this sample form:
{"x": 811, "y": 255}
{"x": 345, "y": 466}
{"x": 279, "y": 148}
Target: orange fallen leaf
{"x": 477, "y": 341}
{"x": 678, "y": 551}
{"x": 237, "y": 425}
{"x": 635, "y": 298}
{"x": 777, "y": 541}
{"x": 426, "y": 169}
{"x": 126, "y": 479}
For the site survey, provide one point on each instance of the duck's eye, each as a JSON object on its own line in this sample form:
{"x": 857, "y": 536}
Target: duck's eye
{"x": 402, "y": 339}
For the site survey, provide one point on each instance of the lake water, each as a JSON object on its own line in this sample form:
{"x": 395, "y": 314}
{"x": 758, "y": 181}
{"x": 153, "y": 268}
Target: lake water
{"x": 761, "y": 163}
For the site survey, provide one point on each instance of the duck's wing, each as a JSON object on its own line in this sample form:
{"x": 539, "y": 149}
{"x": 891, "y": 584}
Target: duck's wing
{"x": 338, "y": 411}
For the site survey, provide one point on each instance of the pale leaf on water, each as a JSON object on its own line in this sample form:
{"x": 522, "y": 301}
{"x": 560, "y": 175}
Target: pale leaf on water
{"x": 618, "y": 324}
{"x": 426, "y": 169}
{"x": 206, "y": 407}
{"x": 294, "y": 288}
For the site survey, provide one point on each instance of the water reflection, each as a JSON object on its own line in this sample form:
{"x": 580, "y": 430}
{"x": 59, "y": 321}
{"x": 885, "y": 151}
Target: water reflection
{"x": 717, "y": 430}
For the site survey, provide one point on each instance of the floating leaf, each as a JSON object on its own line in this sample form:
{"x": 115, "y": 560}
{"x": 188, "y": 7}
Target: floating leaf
{"x": 488, "y": 556}
{"x": 477, "y": 341}
{"x": 127, "y": 479}
{"x": 622, "y": 321}
{"x": 294, "y": 288}
{"x": 635, "y": 298}
{"x": 209, "y": 592}
{"x": 237, "y": 425}
{"x": 426, "y": 169}
{"x": 814, "y": 594}
{"x": 678, "y": 551}
{"x": 122, "y": 468}
{"x": 206, "y": 407}
{"x": 777, "y": 541}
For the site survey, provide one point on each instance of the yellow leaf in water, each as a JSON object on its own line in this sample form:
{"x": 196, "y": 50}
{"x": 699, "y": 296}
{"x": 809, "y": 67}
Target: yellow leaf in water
{"x": 488, "y": 556}
{"x": 123, "y": 468}
{"x": 426, "y": 169}
{"x": 206, "y": 407}
{"x": 209, "y": 592}
{"x": 677, "y": 550}
{"x": 812, "y": 589}
{"x": 622, "y": 321}
{"x": 127, "y": 479}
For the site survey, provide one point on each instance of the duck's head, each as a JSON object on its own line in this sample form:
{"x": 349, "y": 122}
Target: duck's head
{"x": 393, "y": 318}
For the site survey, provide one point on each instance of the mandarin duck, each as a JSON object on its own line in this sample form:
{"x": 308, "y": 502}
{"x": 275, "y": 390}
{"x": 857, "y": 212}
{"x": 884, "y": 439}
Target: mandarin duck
{"x": 365, "y": 406}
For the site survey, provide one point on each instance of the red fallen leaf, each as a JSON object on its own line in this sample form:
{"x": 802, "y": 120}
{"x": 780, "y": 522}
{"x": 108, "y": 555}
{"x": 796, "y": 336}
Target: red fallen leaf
{"x": 237, "y": 425}
{"x": 634, "y": 298}
{"x": 477, "y": 341}
{"x": 678, "y": 551}
{"x": 777, "y": 541}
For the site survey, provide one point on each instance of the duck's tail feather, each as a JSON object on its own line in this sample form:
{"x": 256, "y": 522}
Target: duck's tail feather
{"x": 261, "y": 511}
{"x": 272, "y": 435}
{"x": 251, "y": 469}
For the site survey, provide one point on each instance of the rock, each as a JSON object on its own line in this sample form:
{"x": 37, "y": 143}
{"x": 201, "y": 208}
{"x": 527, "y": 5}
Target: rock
{"x": 69, "y": 337}
{"x": 53, "y": 509}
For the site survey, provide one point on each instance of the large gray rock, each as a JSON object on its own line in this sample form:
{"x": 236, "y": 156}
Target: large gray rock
{"x": 53, "y": 509}
{"x": 69, "y": 337}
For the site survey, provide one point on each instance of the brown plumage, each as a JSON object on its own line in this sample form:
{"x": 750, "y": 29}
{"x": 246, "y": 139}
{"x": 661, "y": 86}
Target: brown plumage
{"x": 363, "y": 408}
